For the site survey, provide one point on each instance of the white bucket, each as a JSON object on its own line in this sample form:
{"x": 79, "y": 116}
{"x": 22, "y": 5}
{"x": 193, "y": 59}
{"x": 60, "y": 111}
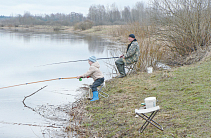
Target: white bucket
{"x": 150, "y": 102}
{"x": 149, "y": 69}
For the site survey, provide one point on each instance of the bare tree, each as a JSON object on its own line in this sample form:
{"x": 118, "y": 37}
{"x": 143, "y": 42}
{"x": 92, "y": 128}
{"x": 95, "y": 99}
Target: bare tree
{"x": 97, "y": 14}
{"x": 126, "y": 14}
{"x": 183, "y": 24}
{"x": 138, "y": 12}
{"x": 113, "y": 13}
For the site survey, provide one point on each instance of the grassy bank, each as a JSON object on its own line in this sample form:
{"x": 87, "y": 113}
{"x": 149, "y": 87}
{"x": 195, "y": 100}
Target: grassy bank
{"x": 182, "y": 93}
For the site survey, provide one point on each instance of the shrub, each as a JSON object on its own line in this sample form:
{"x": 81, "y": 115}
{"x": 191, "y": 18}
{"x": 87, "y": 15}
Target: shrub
{"x": 183, "y": 25}
{"x": 83, "y": 25}
{"x": 57, "y": 28}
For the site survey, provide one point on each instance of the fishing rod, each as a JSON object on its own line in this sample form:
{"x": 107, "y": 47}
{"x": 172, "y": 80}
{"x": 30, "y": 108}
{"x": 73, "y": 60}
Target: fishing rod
{"x": 75, "y": 61}
{"x": 41, "y": 81}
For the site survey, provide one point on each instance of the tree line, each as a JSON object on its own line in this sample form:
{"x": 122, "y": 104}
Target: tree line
{"x": 52, "y": 19}
{"x": 111, "y": 15}
{"x": 98, "y": 14}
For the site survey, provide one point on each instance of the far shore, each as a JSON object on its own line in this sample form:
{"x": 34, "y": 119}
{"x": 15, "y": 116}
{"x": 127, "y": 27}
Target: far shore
{"x": 102, "y": 30}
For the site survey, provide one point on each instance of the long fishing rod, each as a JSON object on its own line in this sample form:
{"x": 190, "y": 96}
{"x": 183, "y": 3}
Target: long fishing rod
{"x": 75, "y": 61}
{"x": 40, "y": 81}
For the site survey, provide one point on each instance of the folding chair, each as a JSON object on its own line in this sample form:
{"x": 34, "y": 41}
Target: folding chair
{"x": 149, "y": 119}
{"x": 131, "y": 67}
{"x": 100, "y": 91}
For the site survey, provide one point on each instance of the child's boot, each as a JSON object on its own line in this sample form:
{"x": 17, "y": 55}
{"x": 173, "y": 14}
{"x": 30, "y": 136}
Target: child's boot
{"x": 95, "y": 96}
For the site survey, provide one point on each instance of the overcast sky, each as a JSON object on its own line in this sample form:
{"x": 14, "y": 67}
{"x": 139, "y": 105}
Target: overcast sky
{"x": 14, "y": 7}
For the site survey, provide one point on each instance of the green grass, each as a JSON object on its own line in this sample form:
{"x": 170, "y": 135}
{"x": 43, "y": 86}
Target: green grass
{"x": 183, "y": 95}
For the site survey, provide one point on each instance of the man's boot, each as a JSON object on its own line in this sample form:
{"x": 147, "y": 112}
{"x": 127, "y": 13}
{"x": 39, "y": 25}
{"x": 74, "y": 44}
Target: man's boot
{"x": 121, "y": 70}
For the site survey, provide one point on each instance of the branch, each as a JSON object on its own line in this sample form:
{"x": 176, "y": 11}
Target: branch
{"x": 32, "y": 94}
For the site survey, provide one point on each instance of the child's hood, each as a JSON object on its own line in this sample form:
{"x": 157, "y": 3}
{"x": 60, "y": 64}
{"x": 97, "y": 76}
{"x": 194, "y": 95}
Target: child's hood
{"x": 96, "y": 64}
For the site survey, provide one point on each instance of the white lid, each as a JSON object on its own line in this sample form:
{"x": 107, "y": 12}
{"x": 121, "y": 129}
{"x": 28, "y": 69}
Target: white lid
{"x": 150, "y": 99}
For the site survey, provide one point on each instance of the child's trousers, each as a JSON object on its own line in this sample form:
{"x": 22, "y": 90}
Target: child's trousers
{"x": 97, "y": 83}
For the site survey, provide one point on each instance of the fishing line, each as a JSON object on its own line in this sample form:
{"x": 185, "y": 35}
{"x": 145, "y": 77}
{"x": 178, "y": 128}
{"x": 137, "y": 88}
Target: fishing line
{"x": 35, "y": 125}
{"x": 74, "y": 61}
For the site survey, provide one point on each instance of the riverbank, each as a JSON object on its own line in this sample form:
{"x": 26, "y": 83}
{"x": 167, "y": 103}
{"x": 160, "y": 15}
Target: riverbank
{"x": 183, "y": 95}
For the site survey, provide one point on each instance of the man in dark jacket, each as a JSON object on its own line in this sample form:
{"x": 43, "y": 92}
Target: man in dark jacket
{"x": 131, "y": 56}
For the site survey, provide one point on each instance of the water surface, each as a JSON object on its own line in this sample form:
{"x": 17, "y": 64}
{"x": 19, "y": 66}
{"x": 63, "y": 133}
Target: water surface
{"x": 21, "y": 53}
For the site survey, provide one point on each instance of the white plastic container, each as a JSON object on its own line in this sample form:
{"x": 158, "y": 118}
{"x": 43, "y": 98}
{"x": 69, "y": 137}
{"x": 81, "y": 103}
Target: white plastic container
{"x": 149, "y": 69}
{"x": 150, "y": 102}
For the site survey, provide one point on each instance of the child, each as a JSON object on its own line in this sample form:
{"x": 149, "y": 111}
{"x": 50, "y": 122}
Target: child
{"x": 95, "y": 73}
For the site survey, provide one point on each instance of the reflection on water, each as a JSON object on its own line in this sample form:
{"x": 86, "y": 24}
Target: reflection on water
{"x": 20, "y": 53}
{"x": 95, "y": 44}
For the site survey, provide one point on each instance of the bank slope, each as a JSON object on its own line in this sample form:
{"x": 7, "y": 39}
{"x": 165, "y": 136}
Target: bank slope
{"x": 182, "y": 93}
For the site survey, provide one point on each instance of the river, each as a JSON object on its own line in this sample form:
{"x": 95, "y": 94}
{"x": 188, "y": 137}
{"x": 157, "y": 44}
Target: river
{"x": 22, "y": 53}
